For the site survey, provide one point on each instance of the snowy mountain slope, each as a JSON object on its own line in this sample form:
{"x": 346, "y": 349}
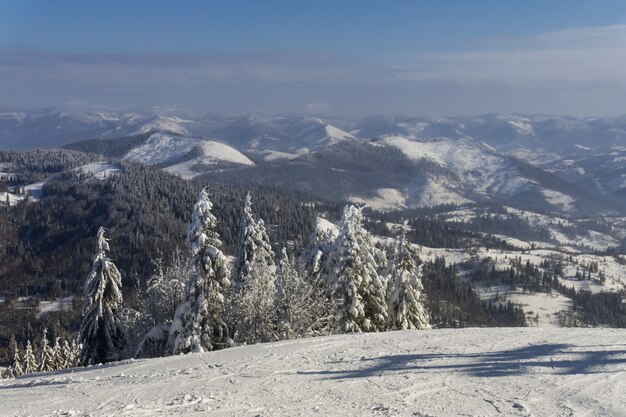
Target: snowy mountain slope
{"x": 473, "y": 372}
{"x": 263, "y": 134}
{"x": 160, "y": 123}
{"x": 160, "y": 148}
{"x": 211, "y": 153}
{"x": 561, "y": 134}
{"x": 474, "y": 172}
{"x": 167, "y": 150}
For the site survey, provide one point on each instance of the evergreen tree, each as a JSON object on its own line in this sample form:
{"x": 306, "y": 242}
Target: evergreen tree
{"x": 30, "y": 362}
{"x": 405, "y": 291}
{"x": 253, "y": 244}
{"x": 101, "y": 334}
{"x": 75, "y": 353}
{"x": 67, "y": 356}
{"x": 57, "y": 354}
{"x": 46, "y": 354}
{"x": 314, "y": 257}
{"x": 359, "y": 288}
{"x": 16, "y": 367}
{"x": 198, "y": 325}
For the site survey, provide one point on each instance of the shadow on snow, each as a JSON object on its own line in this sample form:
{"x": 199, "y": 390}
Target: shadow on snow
{"x": 544, "y": 358}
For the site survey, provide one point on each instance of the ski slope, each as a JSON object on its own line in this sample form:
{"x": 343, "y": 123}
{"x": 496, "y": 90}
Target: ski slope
{"x": 469, "y": 372}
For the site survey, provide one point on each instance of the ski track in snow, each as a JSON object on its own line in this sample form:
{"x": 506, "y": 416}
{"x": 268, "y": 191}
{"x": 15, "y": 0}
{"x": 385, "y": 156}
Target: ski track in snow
{"x": 468, "y": 372}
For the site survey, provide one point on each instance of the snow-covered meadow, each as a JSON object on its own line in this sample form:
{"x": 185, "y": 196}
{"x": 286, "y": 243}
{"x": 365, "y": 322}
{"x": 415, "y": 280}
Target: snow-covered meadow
{"x": 469, "y": 372}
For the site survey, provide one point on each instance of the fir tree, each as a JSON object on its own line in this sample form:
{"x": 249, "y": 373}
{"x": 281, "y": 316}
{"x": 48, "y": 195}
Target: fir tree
{"x": 198, "y": 325}
{"x": 67, "y": 356}
{"x": 57, "y": 355}
{"x": 101, "y": 334}
{"x": 30, "y": 361}
{"x": 405, "y": 292}
{"x": 358, "y": 286}
{"x": 16, "y": 367}
{"x": 314, "y": 258}
{"x": 253, "y": 244}
{"x": 46, "y": 354}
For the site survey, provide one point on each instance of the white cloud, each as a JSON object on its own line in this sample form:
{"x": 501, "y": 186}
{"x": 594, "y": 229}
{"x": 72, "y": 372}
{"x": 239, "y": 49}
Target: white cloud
{"x": 584, "y": 55}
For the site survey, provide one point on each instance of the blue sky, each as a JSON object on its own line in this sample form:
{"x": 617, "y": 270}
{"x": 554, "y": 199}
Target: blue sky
{"x": 343, "y": 57}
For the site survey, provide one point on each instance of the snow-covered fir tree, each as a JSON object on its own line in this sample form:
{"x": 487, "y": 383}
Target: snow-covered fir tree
{"x": 47, "y": 361}
{"x": 256, "y": 304}
{"x": 102, "y": 334}
{"x": 72, "y": 358}
{"x": 405, "y": 298}
{"x": 16, "y": 368}
{"x": 253, "y": 244}
{"x": 359, "y": 288}
{"x": 67, "y": 355}
{"x": 30, "y": 361}
{"x": 57, "y": 354}
{"x": 314, "y": 258}
{"x": 198, "y": 324}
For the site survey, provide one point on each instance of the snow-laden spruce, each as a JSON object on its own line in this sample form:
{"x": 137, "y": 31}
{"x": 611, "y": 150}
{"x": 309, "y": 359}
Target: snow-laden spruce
{"x": 405, "y": 298}
{"x": 16, "y": 368}
{"x": 47, "y": 359}
{"x": 102, "y": 334}
{"x": 314, "y": 258}
{"x": 359, "y": 287}
{"x": 253, "y": 244}
{"x": 30, "y": 361}
{"x": 198, "y": 325}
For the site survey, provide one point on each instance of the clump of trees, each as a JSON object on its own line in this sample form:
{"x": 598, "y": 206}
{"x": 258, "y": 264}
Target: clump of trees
{"x": 61, "y": 354}
{"x": 341, "y": 282}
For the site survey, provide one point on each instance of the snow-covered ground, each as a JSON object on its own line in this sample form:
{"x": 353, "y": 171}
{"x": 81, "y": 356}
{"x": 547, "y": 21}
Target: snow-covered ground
{"x": 100, "y": 170}
{"x": 212, "y": 153}
{"x": 161, "y": 147}
{"x": 476, "y": 167}
{"x": 50, "y": 306}
{"x": 456, "y": 372}
{"x": 387, "y": 199}
{"x": 12, "y": 198}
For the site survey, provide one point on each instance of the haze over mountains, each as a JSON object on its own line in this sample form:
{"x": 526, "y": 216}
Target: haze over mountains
{"x": 557, "y": 164}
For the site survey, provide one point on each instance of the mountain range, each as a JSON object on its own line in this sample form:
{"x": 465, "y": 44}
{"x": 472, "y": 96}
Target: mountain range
{"x": 549, "y": 163}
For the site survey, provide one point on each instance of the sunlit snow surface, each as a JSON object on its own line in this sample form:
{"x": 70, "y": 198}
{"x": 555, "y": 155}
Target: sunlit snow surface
{"x": 469, "y": 372}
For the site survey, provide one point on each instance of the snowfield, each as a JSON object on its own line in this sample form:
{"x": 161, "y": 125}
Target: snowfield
{"x": 469, "y": 372}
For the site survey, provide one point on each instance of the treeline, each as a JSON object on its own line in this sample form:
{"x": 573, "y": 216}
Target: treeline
{"x": 453, "y": 303}
{"x": 45, "y": 251}
{"x": 39, "y": 164}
